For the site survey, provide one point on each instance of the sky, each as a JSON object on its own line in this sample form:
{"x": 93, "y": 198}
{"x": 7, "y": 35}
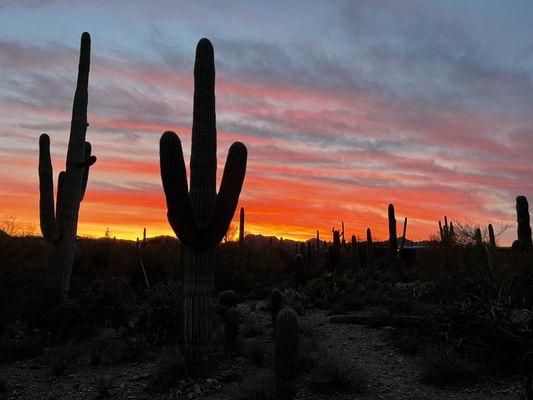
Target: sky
{"x": 345, "y": 107}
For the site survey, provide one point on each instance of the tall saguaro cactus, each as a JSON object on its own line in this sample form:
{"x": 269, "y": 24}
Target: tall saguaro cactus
{"x": 200, "y": 217}
{"x": 59, "y": 223}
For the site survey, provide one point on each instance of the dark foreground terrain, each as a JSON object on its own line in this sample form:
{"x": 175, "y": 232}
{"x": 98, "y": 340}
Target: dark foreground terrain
{"x": 446, "y": 322}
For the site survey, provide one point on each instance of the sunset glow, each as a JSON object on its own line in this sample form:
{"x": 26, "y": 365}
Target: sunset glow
{"x": 351, "y": 108}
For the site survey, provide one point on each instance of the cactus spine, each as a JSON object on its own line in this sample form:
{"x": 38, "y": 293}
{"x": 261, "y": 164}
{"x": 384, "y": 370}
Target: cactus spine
{"x": 393, "y": 239}
{"x": 201, "y": 217}
{"x": 241, "y": 227}
{"x": 286, "y": 352}
{"x": 60, "y": 226}
{"x": 524, "y": 241}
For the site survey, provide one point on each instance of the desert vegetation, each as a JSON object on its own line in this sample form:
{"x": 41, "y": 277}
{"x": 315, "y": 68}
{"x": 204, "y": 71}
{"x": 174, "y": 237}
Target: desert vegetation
{"x": 194, "y": 316}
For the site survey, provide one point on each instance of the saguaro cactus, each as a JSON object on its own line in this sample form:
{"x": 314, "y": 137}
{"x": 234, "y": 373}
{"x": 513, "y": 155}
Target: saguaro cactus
{"x": 241, "y": 227}
{"x": 524, "y": 241}
{"x": 492, "y": 238}
{"x": 404, "y": 232}
{"x": 201, "y": 217}
{"x": 353, "y": 251}
{"x": 368, "y": 247}
{"x": 286, "y": 352}
{"x": 317, "y": 240}
{"x": 446, "y": 232}
{"x": 59, "y": 226}
{"x": 393, "y": 238}
{"x": 478, "y": 238}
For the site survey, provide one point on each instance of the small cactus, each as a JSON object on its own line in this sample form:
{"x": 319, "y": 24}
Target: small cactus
{"x": 286, "y": 352}
{"x": 227, "y": 299}
{"x": 276, "y": 301}
{"x": 298, "y": 268}
{"x": 231, "y": 328}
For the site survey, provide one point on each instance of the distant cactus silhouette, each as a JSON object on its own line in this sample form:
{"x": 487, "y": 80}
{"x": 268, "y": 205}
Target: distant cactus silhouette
{"x": 201, "y": 217}
{"x": 286, "y": 353}
{"x": 404, "y": 232}
{"x": 298, "y": 269}
{"x": 393, "y": 238}
{"x": 446, "y": 232}
{"x": 492, "y": 238}
{"x": 317, "y": 240}
{"x": 334, "y": 251}
{"x": 353, "y": 251}
{"x": 276, "y": 301}
{"x": 60, "y": 226}
{"x": 241, "y": 227}
{"x": 368, "y": 247}
{"x": 524, "y": 241}
{"x": 478, "y": 238}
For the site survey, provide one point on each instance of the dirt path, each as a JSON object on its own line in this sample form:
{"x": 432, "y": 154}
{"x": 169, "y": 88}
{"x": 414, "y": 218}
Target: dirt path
{"x": 390, "y": 374}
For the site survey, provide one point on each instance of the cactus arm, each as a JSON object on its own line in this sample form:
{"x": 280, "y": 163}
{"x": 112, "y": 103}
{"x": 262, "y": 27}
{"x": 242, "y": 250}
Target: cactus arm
{"x": 180, "y": 213}
{"x": 228, "y": 196}
{"x": 46, "y": 188}
{"x": 89, "y": 160}
{"x": 204, "y": 135}
{"x": 60, "y": 183}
